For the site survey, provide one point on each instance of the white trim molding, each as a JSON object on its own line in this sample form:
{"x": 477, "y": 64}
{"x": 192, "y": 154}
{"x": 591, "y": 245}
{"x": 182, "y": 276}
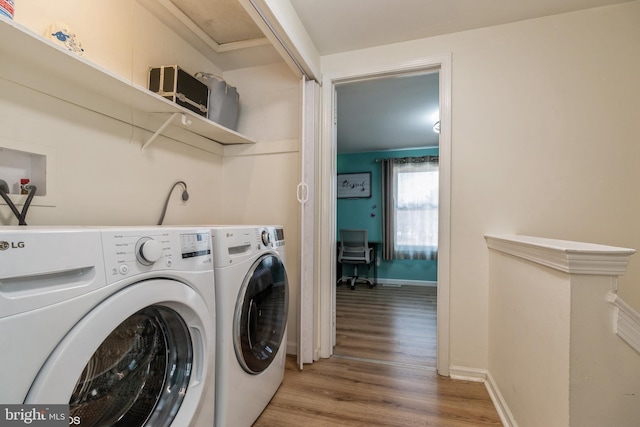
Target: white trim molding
{"x": 506, "y": 417}
{"x": 463, "y": 373}
{"x": 265, "y": 147}
{"x": 567, "y": 256}
{"x": 626, "y": 322}
{"x": 402, "y": 282}
{"x": 327, "y": 190}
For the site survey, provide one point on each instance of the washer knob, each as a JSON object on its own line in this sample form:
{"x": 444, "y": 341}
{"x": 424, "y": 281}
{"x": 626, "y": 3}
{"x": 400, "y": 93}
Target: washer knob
{"x": 148, "y": 251}
{"x": 266, "y": 239}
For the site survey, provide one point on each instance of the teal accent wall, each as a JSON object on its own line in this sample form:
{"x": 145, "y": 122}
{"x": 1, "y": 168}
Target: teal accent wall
{"x": 367, "y": 213}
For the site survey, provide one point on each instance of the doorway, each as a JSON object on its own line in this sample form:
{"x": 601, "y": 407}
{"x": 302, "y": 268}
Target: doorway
{"x": 390, "y": 120}
{"x": 327, "y": 205}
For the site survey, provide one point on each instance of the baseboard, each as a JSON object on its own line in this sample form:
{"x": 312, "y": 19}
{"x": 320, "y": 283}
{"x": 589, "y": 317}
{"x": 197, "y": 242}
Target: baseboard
{"x": 483, "y": 376}
{"x": 506, "y": 417}
{"x": 626, "y": 322}
{"x": 402, "y": 282}
{"x": 467, "y": 374}
{"x": 292, "y": 348}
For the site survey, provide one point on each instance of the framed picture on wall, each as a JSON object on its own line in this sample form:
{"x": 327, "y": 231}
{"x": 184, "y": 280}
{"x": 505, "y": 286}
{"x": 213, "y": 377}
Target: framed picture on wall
{"x": 354, "y": 185}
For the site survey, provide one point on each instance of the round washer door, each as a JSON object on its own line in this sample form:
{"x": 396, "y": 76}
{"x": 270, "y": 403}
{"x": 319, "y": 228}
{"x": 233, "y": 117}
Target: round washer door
{"x": 138, "y": 359}
{"x": 260, "y": 317}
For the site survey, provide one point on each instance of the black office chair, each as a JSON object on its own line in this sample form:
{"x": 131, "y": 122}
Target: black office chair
{"x": 355, "y": 250}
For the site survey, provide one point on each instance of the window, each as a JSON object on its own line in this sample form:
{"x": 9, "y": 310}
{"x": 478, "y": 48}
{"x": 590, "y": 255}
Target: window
{"x": 411, "y": 221}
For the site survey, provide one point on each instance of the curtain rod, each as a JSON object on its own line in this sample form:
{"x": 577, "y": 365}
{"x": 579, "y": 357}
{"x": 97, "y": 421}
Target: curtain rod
{"x": 412, "y": 158}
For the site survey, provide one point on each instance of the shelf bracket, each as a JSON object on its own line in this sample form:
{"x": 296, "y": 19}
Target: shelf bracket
{"x": 184, "y": 120}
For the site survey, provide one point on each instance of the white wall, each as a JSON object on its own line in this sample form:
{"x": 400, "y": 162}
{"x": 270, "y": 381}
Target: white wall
{"x": 261, "y": 180}
{"x": 605, "y": 370}
{"x": 554, "y": 356}
{"x": 529, "y": 339}
{"x": 99, "y": 175}
{"x": 98, "y": 172}
{"x": 544, "y": 142}
{"x": 119, "y": 35}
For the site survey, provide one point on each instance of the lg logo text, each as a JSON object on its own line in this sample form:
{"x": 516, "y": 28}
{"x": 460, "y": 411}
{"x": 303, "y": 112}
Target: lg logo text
{"x": 10, "y": 245}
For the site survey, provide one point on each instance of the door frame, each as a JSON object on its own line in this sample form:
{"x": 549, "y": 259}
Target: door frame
{"x": 326, "y": 210}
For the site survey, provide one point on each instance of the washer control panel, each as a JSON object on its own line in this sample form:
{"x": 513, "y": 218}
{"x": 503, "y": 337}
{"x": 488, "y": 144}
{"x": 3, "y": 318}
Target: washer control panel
{"x": 148, "y": 251}
{"x": 197, "y": 244}
{"x": 131, "y": 251}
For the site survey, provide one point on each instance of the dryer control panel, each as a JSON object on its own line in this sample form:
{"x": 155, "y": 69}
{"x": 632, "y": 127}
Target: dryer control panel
{"x": 132, "y": 251}
{"x": 270, "y": 237}
{"x": 234, "y": 244}
{"x": 277, "y": 236}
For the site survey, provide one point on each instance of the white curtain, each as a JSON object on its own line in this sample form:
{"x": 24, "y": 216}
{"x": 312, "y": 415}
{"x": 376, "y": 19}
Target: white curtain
{"x": 410, "y": 215}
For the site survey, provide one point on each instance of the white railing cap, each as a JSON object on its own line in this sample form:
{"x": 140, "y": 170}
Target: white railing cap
{"x": 564, "y": 255}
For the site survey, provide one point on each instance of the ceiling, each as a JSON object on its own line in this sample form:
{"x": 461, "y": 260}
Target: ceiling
{"x": 399, "y": 113}
{"x": 374, "y": 115}
{"x": 339, "y": 25}
{"x": 388, "y": 113}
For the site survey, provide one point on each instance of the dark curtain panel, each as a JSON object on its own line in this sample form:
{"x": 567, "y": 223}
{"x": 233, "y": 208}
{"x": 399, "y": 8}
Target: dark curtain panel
{"x": 388, "y": 210}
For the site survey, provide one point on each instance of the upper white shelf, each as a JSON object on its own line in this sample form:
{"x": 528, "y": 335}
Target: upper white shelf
{"x": 32, "y": 61}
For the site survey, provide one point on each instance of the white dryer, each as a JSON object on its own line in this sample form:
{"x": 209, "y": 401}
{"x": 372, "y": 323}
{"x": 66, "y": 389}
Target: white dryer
{"x": 118, "y": 323}
{"x": 252, "y": 296}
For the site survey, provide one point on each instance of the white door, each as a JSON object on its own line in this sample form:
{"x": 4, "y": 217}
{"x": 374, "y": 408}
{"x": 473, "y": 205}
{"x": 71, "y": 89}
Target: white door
{"x": 306, "y": 197}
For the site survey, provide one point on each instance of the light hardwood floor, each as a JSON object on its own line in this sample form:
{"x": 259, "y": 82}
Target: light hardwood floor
{"x": 380, "y": 377}
{"x": 391, "y": 324}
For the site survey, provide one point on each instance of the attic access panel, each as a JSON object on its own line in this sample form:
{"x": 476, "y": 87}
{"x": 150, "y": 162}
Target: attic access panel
{"x": 224, "y": 21}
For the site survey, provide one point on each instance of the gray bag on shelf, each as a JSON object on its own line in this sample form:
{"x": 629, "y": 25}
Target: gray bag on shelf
{"x": 224, "y": 100}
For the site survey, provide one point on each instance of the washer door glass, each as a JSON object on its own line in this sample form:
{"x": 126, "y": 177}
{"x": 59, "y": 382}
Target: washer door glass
{"x": 139, "y": 373}
{"x": 260, "y": 317}
{"x": 143, "y": 356}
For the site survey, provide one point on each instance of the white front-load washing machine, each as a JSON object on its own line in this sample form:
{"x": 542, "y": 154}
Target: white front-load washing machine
{"x": 116, "y": 323}
{"x": 252, "y": 299}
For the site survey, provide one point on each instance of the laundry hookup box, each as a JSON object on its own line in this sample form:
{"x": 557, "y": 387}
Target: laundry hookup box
{"x": 175, "y": 84}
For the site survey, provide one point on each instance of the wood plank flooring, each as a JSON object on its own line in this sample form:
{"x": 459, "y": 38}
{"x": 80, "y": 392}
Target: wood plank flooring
{"x": 343, "y": 392}
{"x": 384, "y": 374}
{"x": 391, "y": 324}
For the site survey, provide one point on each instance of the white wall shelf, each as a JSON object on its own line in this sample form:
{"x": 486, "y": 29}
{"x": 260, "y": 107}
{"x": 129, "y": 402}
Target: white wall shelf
{"x": 30, "y": 60}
